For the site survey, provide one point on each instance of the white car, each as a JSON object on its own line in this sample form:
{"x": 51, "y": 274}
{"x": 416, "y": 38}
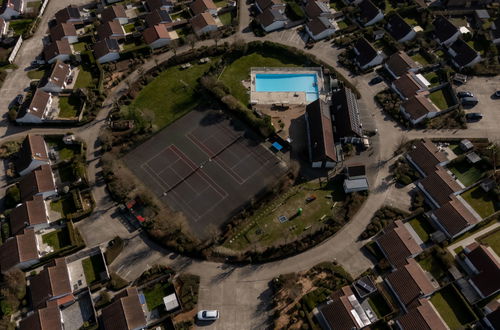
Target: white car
{"x": 208, "y": 315}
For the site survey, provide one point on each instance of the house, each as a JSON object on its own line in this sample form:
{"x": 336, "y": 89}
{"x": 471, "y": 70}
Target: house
{"x": 125, "y": 313}
{"x": 466, "y": 145}
{"x": 106, "y": 50}
{"x": 51, "y": 283}
{"x": 110, "y": 30}
{"x": 30, "y": 214}
{"x": 484, "y": 265}
{"x": 19, "y": 251}
{"x": 203, "y": 6}
{"x": 426, "y": 157}
{"x": 38, "y": 110}
{"x": 114, "y": 13}
{"x": 454, "y": 218}
{"x": 408, "y": 85}
{"x": 4, "y": 27}
{"x": 481, "y": 16}
{"x": 423, "y": 317}
{"x": 321, "y": 145}
{"x": 466, "y": 3}
{"x": 463, "y": 55}
{"x": 399, "y": 29}
{"x": 495, "y": 31}
{"x": 345, "y": 113}
{"x": 397, "y": 244}
{"x": 271, "y": 20}
{"x": 492, "y": 315}
{"x": 320, "y": 28}
{"x": 439, "y": 186}
{"x": 58, "y": 79}
{"x": 203, "y": 23}
{"x": 342, "y": 311}
{"x": 158, "y": 36}
{"x": 278, "y": 5}
{"x": 355, "y": 171}
{"x": 317, "y": 8}
{"x": 166, "y": 5}
{"x": 59, "y": 50}
{"x": 369, "y": 13}
{"x": 354, "y": 185}
{"x": 446, "y": 33}
{"x": 365, "y": 55}
{"x": 418, "y": 108}
{"x": 12, "y": 8}
{"x": 64, "y": 31}
{"x": 47, "y": 317}
{"x": 158, "y": 17}
{"x": 33, "y": 153}
{"x": 409, "y": 283}
{"x": 70, "y": 14}
{"x": 400, "y": 63}
{"x": 39, "y": 182}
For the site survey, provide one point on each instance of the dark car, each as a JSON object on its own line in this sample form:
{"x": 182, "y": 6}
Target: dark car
{"x": 497, "y": 94}
{"x": 376, "y": 80}
{"x": 469, "y": 101}
{"x": 475, "y": 116}
{"x": 465, "y": 94}
{"x": 19, "y": 99}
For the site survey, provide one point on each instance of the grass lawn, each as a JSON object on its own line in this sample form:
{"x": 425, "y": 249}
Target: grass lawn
{"x": 184, "y": 14}
{"x": 66, "y": 173}
{"x": 20, "y": 25}
{"x": 154, "y": 295}
{"x": 57, "y": 239}
{"x": 337, "y": 5}
{"x": 36, "y": 74}
{"x": 79, "y": 47}
{"x": 433, "y": 266}
{"x": 264, "y": 228}
{"x": 418, "y": 57}
{"x": 433, "y": 78}
{"x": 66, "y": 151}
{"x": 172, "y": 94}
{"x": 481, "y": 201}
{"x": 84, "y": 78}
{"x": 64, "y": 206}
{"x": 379, "y": 305}
{"x": 466, "y": 173}
{"x": 455, "y": 147}
{"x": 69, "y": 106}
{"x": 129, "y": 27}
{"x": 439, "y": 99}
{"x": 492, "y": 239}
{"x": 221, "y": 3}
{"x": 410, "y": 20}
{"x": 422, "y": 228}
{"x": 226, "y": 18}
{"x": 452, "y": 308}
{"x": 92, "y": 267}
{"x": 342, "y": 24}
{"x": 239, "y": 70}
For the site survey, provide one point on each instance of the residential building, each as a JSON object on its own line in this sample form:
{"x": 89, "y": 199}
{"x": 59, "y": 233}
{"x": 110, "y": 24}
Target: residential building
{"x": 355, "y": 185}
{"x": 166, "y": 5}
{"x": 409, "y": 283}
{"x": 418, "y": 108}
{"x": 343, "y": 311}
{"x": 408, "y": 85}
{"x": 12, "y": 8}
{"x": 51, "y": 283}
{"x": 423, "y": 317}
{"x": 203, "y": 23}
{"x": 369, "y": 13}
{"x": 278, "y": 5}
{"x": 39, "y": 182}
{"x": 484, "y": 266}
{"x": 426, "y": 157}
{"x": 495, "y": 31}
{"x": 39, "y": 108}
{"x": 59, "y": 50}
{"x": 397, "y": 244}
{"x": 30, "y": 214}
{"x": 399, "y": 29}
{"x": 317, "y": 8}
{"x": 114, "y": 13}
{"x": 355, "y": 171}
{"x": 4, "y": 27}
{"x": 492, "y": 315}
{"x": 463, "y": 55}
{"x": 106, "y": 50}
{"x": 19, "y": 251}
{"x": 32, "y": 154}
{"x": 465, "y": 3}
{"x": 321, "y": 145}
{"x": 454, "y": 218}
{"x": 47, "y": 317}
{"x": 158, "y": 17}
{"x": 58, "y": 79}
{"x": 70, "y": 14}
{"x": 125, "y": 313}
{"x": 439, "y": 186}
{"x": 320, "y": 28}
{"x": 365, "y": 55}
{"x": 158, "y": 36}
{"x": 203, "y": 6}
{"x": 400, "y": 64}
{"x": 345, "y": 113}
{"x": 110, "y": 30}
{"x": 272, "y": 20}
{"x": 64, "y": 31}
{"x": 446, "y": 33}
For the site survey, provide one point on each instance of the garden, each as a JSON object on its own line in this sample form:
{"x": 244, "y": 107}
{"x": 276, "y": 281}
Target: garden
{"x": 69, "y": 106}
{"x": 57, "y": 239}
{"x": 93, "y": 267}
{"x": 492, "y": 239}
{"x": 422, "y": 227}
{"x": 441, "y": 99}
{"x": 466, "y": 172}
{"x": 154, "y": 294}
{"x": 453, "y": 308}
{"x": 484, "y": 203}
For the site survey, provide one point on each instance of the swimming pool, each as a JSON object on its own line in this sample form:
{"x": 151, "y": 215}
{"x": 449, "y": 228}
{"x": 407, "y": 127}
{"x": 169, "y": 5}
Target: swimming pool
{"x": 288, "y": 82}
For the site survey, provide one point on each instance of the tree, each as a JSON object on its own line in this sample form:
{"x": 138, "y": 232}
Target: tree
{"x": 149, "y": 117}
{"x": 215, "y": 35}
{"x": 191, "y": 39}
{"x": 106, "y": 139}
{"x": 173, "y": 46}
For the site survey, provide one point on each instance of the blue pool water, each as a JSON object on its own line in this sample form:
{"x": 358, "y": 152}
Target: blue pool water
{"x": 288, "y": 82}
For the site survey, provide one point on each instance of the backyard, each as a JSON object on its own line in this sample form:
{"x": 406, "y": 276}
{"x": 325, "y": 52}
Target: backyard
{"x": 93, "y": 266}
{"x": 69, "y": 106}
{"x": 452, "y": 308}
{"x": 154, "y": 294}
{"x": 483, "y": 202}
{"x": 434, "y": 266}
{"x": 226, "y": 18}
{"x": 466, "y": 172}
{"x": 418, "y": 57}
{"x": 20, "y": 25}
{"x": 79, "y": 47}
{"x": 492, "y": 239}
{"x": 433, "y": 78}
{"x": 64, "y": 206}
{"x": 379, "y": 305}
{"x": 422, "y": 228}
{"x": 57, "y": 239}
{"x": 66, "y": 173}
{"x": 84, "y": 79}
{"x": 65, "y": 151}
{"x": 439, "y": 98}
{"x": 36, "y": 74}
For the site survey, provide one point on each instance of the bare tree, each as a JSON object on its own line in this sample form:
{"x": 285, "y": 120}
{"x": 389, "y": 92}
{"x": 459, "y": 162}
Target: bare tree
{"x": 215, "y": 35}
{"x": 191, "y": 39}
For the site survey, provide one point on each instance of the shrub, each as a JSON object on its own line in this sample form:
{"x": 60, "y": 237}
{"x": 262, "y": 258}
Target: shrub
{"x": 116, "y": 282}
{"x": 12, "y": 197}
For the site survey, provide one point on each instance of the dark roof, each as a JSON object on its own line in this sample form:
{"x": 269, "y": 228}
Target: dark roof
{"x": 62, "y": 30}
{"x": 52, "y": 281}
{"x": 109, "y": 29}
{"x": 33, "y": 148}
{"x": 157, "y": 4}
{"x": 494, "y": 318}
{"x": 423, "y": 317}
{"x": 105, "y": 47}
{"x": 454, "y": 216}
{"x": 65, "y": 14}
{"x": 320, "y": 131}
{"x": 201, "y": 6}
{"x": 487, "y": 278}
{"x": 200, "y": 21}
{"x": 407, "y": 85}
{"x": 29, "y": 213}
{"x": 158, "y": 17}
{"x": 443, "y": 28}
{"x": 113, "y": 12}
{"x": 265, "y": 4}
{"x": 464, "y": 54}
{"x": 397, "y": 27}
{"x": 338, "y": 312}
{"x": 426, "y": 156}
{"x": 125, "y": 313}
{"x": 151, "y": 34}
{"x": 17, "y": 249}
{"x": 45, "y": 318}
{"x": 440, "y": 185}
{"x": 368, "y": 11}
{"x": 365, "y": 51}
{"x": 346, "y": 113}
{"x": 315, "y": 8}
{"x": 355, "y": 170}
{"x": 400, "y": 63}
{"x": 318, "y": 25}
{"x": 58, "y": 47}
{"x": 60, "y": 72}
{"x": 38, "y": 181}
{"x": 419, "y": 105}
{"x": 410, "y": 283}
{"x": 38, "y": 103}
{"x": 398, "y": 244}
{"x": 269, "y": 16}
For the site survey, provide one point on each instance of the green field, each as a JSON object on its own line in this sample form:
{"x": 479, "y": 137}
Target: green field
{"x": 452, "y": 308}
{"x": 466, "y": 173}
{"x": 79, "y": 47}
{"x": 492, "y": 239}
{"x": 422, "y": 228}
{"x": 92, "y": 267}
{"x": 433, "y": 78}
{"x": 481, "y": 201}
{"x": 154, "y": 295}
{"x": 57, "y": 239}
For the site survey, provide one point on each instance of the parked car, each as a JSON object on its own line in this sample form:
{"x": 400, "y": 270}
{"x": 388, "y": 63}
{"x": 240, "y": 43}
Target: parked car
{"x": 208, "y": 315}
{"x": 376, "y": 80}
{"x": 19, "y": 99}
{"x": 497, "y": 94}
{"x": 465, "y": 94}
{"x": 469, "y": 101}
{"x": 475, "y": 116}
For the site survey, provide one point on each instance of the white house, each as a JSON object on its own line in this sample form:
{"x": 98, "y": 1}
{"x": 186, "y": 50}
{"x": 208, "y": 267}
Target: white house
{"x": 495, "y": 31}
{"x": 272, "y": 20}
{"x": 203, "y": 23}
{"x": 32, "y": 155}
{"x": 399, "y": 29}
{"x": 369, "y": 13}
{"x": 400, "y": 63}
{"x": 204, "y": 6}
{"x": 64, "y": 31}
{"x": 20, "y": 251}
{"x": 463, "y": 55}
{"x": 320, "y": 28}
{"x": 365, "y": 55}
{"x": 158, "y": 36}
{"x": 40, "y": 182}
{"x": 263, "y": 5}
{"x": 106, "y": 50}
{"x": 30, "y": 214}
{"x": 446, "y": 33}
{"x": 38, "y": 110}
{"x": 418, "y": 108}
{"x": 114, "y": 13}
{"x": 59, "y": 50}
{"x": 167, "y": 5}
{"x": 58, "y": 79}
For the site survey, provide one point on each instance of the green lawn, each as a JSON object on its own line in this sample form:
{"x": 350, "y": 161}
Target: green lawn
{"x": 434, "y": 266}
{"x": 342, "y": 24}
{"x": 20, "y": 25}
{"x": 64, "y": 206}
{"x": 466, "y": 173}
{"x": 379, "y": 305}
{"x": 337, "y": 5}
{"x": 84, "y": 78}
{"x": 66, "y": 151}
{"x": 36, "y": 74}
{"x": 439, "y": 99}
{"x": 92, "y": 267}
{"x": 239, "y": 70}
{"x": 410, "y": 20}
{"x": 481, "y": 201}
{"x": 184, "y": 14}
{"x": 418, "y": 57}
{"x": 226, "y": 18}
{"x": 69, "y": 106}
{"x": 455, "y": 147}
{"x": 422, "y": 228}
{"x": 452, "y": 308}
{"x": 57, "y": 239}
{"x": 79, "y": 47}
{"x": 172, "y": 94}
{"x": 129, "y": 28}
{"x": 221, "y": 3}
{"x": 433, "y": 78}
{"x": 492, "y": 239}
{"x": 154, "y": 295}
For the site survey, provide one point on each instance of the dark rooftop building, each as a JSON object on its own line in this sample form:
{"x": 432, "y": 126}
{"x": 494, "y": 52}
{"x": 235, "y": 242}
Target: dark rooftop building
{"x": 485, "y": 267}
{"x": 444, "y": 30}
{"x": 45, "y": 318}
{"x": 70, "y": 14}
{"x": 19, "y": 251}
{"x": 125, "y": 313}
{"x": 322, "y": 151}
{"x": 463, "y": 55}
{"x": 439, "y": 187}
{"x": 399, "y": 29}
{"x": 425, "y": 156}
{"x": 398, "y": 244}
{"x": 29, "y": 214}
{"x": 453, "y": 218}
{"x": 423, "y": 317}
{"x": 345, "y": 112}
{"x": 51, "y": 283}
